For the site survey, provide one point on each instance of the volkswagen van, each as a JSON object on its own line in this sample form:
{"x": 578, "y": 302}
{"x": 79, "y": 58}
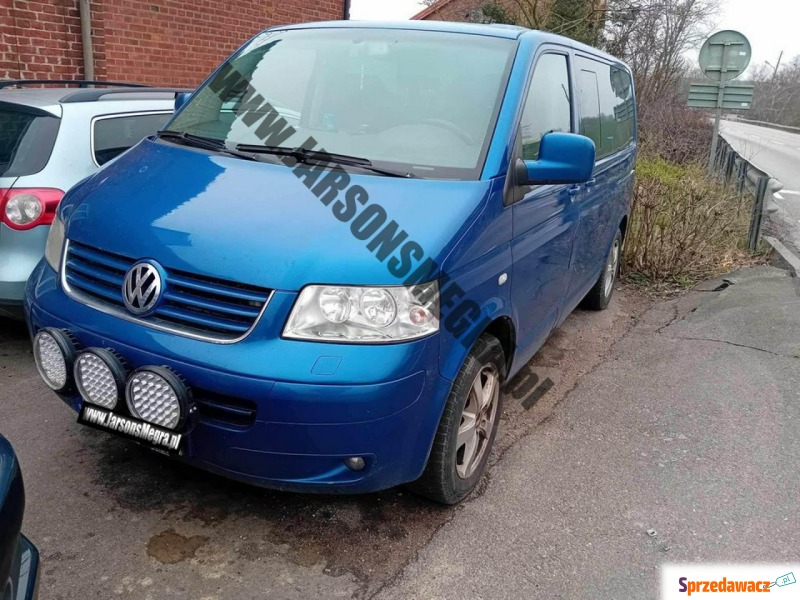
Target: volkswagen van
{"x": 319, "y": 275}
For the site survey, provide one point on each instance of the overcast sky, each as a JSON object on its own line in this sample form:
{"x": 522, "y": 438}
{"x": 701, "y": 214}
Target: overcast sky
{"x": 770, "y": 25}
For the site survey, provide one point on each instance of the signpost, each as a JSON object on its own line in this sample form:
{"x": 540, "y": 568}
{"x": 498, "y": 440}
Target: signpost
{"x": 723, "y": 57}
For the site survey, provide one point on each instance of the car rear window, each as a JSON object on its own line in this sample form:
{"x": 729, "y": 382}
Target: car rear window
{"x": 27, "y": 136}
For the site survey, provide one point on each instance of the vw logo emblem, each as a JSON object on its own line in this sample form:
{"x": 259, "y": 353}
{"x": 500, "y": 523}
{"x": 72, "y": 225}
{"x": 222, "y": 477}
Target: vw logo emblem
{"x": 142, "y": 288}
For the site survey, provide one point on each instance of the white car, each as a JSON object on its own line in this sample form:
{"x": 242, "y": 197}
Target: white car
{"x": 50, "y": 139}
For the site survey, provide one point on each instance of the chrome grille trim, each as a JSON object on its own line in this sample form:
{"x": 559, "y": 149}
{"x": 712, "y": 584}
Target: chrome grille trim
{"x": 152, "y": 323}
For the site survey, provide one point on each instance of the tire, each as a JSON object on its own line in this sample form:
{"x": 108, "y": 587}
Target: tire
{"x": 457, "y": 462}
{"x": 600, "y": 295}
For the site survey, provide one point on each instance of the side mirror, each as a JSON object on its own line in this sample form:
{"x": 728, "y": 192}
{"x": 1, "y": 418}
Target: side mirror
{"x": 563, "y": 158}
{"x": 180, "y": 99}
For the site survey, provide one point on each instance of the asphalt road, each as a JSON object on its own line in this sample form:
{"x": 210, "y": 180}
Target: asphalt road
{"x": 772, "y": 150}
{"x": 113, "y": 520}
{"x": 778, "y": 153}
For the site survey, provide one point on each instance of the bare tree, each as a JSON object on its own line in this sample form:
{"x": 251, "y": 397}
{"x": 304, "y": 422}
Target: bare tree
{"x": 777, "y": 93}
{"x": 579, "y": 19}
{"x": 653, "y": 36}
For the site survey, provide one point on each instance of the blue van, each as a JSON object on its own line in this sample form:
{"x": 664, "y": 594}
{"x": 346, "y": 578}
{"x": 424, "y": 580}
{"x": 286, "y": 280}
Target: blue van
{"x": 319, "y": 275}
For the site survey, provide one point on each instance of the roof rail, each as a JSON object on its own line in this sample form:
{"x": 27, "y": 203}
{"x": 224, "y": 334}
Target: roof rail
{"x": 4, "y": 83}
{"x": 93, "y": 95}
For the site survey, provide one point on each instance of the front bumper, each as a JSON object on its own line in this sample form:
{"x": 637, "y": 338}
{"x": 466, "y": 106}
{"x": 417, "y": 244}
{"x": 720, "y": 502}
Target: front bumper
{"x": 273, "y": 412}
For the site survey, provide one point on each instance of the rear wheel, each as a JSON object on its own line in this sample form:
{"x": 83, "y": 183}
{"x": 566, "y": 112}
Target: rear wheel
{"x": 468, "y": 426}
{"x": 600, "y": 295}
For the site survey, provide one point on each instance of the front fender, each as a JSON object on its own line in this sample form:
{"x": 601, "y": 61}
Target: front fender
{"x": 475, "y": 284}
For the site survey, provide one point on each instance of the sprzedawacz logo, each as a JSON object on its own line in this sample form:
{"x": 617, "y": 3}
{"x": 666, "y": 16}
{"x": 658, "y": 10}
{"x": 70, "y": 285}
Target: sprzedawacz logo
{"x": 735, "y": 581}
{"x": 723, "y": 585}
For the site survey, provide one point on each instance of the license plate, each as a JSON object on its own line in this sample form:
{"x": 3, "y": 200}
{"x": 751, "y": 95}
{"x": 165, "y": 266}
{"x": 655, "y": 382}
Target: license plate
{"x": 152, "y": 436}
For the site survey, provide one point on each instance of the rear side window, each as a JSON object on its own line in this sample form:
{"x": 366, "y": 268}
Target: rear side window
{"x": 617, "y": 95}
{"x": 606, "y": 105}
{"x": 547, "y": 107}
{"x": 589, "y": 100}
{"x": 111, "y": 136}
{"x": 27, "y": 136}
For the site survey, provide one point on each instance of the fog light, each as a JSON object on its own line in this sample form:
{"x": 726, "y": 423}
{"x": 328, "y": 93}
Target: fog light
{"x": 157, "y": 395}
{"x": 99, "y": 377}
{"x": 355, "y": 463}
{"x": 54, "y": 353}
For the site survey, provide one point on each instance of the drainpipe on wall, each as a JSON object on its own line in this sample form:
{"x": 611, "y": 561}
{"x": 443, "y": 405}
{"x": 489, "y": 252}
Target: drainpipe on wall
{"x": 346, "y": 10}
{"x": 86, "y": 39}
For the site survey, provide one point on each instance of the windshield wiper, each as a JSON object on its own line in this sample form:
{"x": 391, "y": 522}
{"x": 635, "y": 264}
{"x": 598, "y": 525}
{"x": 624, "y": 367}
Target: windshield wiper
{"x": 318, "y": 156}
{"x": 356, "y": 161}
{"x": 206, "y": 143}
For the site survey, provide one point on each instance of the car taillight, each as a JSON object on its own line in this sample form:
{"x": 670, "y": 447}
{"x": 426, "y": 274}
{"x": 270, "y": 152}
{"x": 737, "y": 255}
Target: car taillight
{"x": 26, "y": 208}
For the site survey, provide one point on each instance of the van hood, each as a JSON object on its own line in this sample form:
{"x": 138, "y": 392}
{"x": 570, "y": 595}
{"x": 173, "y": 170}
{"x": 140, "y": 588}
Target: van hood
{"x": 254, "y": 222}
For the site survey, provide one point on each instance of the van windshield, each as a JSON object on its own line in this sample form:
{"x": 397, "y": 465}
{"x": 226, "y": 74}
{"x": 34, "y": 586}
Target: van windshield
{"x": 412, "y": 101}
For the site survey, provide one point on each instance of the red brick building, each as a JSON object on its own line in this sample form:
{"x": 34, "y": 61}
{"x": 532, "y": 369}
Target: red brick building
{"x": 160, "y": 42}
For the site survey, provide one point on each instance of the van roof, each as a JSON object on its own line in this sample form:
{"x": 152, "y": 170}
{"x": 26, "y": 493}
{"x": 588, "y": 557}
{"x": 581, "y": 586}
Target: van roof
{"x": 504, "y": 31}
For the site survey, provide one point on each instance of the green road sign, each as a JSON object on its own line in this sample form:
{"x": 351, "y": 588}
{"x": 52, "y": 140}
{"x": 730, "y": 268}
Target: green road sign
{"x": 735, "y": 95}
{"x": 725, "y": 55}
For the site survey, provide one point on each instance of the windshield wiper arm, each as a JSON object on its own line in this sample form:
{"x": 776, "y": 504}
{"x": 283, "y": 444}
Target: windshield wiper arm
{"x": 356, "y": 161}
{"x": 191, "y": 139}
{"x": 276, "y": 150}
{"x": 198, "y": 141}
{"x": 320, "y": 156}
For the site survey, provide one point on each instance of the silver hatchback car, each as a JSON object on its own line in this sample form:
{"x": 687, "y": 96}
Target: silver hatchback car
{"x": 50, "y": 139}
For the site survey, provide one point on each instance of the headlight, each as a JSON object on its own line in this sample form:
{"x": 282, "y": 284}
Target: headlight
{"x": 368, "y": 315}
{"x": 55, "y": 243}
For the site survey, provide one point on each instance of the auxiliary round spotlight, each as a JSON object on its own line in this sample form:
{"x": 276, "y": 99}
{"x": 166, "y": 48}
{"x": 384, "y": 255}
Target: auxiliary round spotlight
{"x": 100, "y": 377}
{"x": 159, "y": 396}
{"x": 54, "y": 352}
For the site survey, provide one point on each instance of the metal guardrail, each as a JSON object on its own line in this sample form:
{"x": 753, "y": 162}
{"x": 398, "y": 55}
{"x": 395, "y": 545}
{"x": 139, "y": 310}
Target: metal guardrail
{"x": 747, "y": 179}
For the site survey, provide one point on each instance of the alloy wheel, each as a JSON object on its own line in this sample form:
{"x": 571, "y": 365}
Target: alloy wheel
{"x": 612, "y": 266}
{"x": 477, "y": 421}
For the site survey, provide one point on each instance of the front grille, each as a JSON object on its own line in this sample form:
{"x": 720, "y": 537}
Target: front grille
{"x": 193, "y": 304}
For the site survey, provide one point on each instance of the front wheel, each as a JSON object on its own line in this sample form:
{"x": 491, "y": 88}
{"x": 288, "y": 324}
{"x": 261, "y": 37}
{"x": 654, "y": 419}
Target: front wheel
{"x": 600, "y": 295}
{"x": 468, "y": 426}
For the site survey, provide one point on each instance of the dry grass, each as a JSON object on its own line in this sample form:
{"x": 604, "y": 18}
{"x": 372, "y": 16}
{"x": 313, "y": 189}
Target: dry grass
{"x": 684, "y": 226}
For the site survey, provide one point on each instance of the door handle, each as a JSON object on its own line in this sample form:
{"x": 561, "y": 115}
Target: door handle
{"x": 590, "y": 184}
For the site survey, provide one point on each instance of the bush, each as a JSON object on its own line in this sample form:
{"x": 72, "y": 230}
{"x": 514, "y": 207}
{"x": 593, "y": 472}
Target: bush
{"x": 684, "y": 226}
{"x": 674, "y": 132}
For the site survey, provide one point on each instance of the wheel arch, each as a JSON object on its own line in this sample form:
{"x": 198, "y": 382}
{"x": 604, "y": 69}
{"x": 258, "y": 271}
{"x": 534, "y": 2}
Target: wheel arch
{"x": 503, "y": 329}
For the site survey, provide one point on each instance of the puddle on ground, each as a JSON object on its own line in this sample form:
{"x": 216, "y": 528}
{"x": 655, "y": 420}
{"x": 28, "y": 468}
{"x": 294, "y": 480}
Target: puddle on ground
{"x": 170, "y": 547}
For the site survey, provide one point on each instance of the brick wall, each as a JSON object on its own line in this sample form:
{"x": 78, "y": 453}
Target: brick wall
{"x": 161, "y": 42}
{"x": 40, "y": 39}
